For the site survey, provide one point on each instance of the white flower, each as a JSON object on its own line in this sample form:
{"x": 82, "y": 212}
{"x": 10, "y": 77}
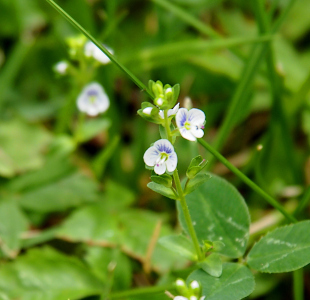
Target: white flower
{"x": 190, "y": 123}
{"x": 180, "y": 298}
{"x": 91, "y": 50}
{"x": 93, "y": 99}
{"x": 171, "y": 112}
{"x": 161, "y": 156}
{"x": 61, "y": 67}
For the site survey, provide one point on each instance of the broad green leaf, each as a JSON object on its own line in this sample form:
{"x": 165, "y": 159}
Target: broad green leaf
{"x": 130, "y": 229}
{"x": 196, "y": 182}
{"x": 111, "y": 266}
{"x": 67, "y": 192}
{"x": 161, "y": 189}
{"x": 21, "y": 147}
{"x": 91, "y": 223}
{"x": 179, "y": 244}
{"x": 46, "y": 274}
{"x": 283, "y": 250}
{"x": 212, "y": 265}
{"x": 219, "y": 213}
{"x": 236, "y": 282}
{"x": 13, "y": 224}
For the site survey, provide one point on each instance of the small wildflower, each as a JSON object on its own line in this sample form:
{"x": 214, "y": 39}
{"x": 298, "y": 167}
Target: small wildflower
{"x": 171, "y": 112}
{"x": 161, "y": 156}
{"x": 91, "y": 50}
{"x": 61, "y": 67}
{"x": 93, "y": 99}
{"x": 191, "y": 123}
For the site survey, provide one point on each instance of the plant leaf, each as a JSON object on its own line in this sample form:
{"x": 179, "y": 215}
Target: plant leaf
{"x": 219, "y": 213}
{"x": 196, "y": 182}
{"x": 283, "y": 250}
{"x": 180, "y": 244}
{"x": 212, "y": 265}
{"x": 163, "y": 190}
{"x": 235, "y": 283}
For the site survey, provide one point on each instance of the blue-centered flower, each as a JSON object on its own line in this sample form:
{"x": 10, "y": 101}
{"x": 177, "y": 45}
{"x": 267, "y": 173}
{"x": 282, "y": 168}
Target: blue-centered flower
{"x": 161, "y": 156}
{"x": 93, "y": 100}
{"x": 190, "y": 123}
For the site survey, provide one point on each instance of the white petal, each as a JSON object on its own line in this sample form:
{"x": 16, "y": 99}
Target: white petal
{"x": 196, "y": 131}
{"x": 181, "y": 117}
{"x": 91, "y": 50}
{"x": 161, "y": 114}
{"x": 187, "y": 134}
{"x": 193, "y": 298}
{"x": 179, "y": 298}
{"x": 172, "y": 162}
{"x": 103, "y": 103}
{"x": 173, "y": 111}
{"x": 61, "y": 67}
{"x": 147, "y": 110}
{"x": 196, "y": 116}
{"x": 150, "y": 156}
{"x": 164, "y": 145}
{"x": 195, "y": 284}
{"x": 160, "y": 168}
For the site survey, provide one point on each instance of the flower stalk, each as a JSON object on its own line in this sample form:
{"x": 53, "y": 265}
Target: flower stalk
{"x": 181, "y": 197}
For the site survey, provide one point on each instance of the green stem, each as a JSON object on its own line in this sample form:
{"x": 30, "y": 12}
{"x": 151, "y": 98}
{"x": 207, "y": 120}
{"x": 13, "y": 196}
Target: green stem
{"x": 298, "y": 280}
{"x": 103, "y": 49}
{"x": 187, "y": 216}
{"x": 79, "y": 127}
{"x": 303, "y": 202}
{"x": 181, "y": 196}
{"x": 247, "y": 181}
{"x": 140, "y": 291}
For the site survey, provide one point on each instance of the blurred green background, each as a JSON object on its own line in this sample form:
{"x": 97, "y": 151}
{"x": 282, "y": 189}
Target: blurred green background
{"x": 77, "y": 222}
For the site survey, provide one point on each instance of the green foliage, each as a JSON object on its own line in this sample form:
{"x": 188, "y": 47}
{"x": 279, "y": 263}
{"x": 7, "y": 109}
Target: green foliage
{"x": 235, "y": 283}
{"x": 47, "y": 274}
{"x": 219, "y": 212}
{"x": 283, "y": 250}
{"x": 212, "y": 265}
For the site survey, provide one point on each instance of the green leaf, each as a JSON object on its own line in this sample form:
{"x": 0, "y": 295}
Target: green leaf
{"x": 66, "y": 192}
{"x": 92, "y": 128}
{"x": 212, "y": 265}
{"x": 163, "y": 190}
{"x": 196, "y": 182}
{"x": 111, "y": 266}
{"x": 179, "y": 244}
{"x": 219, "y": 213}
{"x": 235, "y": 283}
{"x": 164, "y": 179}
{"x": 46, "y": 274}
{"x": 176, "y": 93}
{"x": 283, "y": 250}
{"x": 12, "y": 224}
{"x": 21, "y": 147}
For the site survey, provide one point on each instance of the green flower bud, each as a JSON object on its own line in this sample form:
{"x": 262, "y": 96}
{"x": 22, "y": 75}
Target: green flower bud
{"x": 195, "y": 288}
{"x": 181, "y": 287}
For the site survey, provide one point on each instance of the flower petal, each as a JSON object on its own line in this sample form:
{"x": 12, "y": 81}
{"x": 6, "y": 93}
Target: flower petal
{"x": 196, "y": 116}
{"x": 187, "y": 134}
{"x": 150, "y": 156}
{"x": 196, "y": 131}
{"x": 181, "y": 117}
{"x": 179, "y": 298}
{"x": 164, "y": 145}
{"x": 160, "y": 169}
{"x": 172, "y": 162}
{"x": 173, "y": 111}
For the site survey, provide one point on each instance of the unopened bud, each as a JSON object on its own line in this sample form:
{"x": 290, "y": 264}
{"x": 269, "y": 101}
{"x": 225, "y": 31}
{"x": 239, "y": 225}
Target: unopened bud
{"x": 188, "y": 104}
{"x": 147, "y": 110}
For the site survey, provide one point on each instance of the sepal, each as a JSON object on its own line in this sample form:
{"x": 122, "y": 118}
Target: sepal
{"x": 196, "y": 166}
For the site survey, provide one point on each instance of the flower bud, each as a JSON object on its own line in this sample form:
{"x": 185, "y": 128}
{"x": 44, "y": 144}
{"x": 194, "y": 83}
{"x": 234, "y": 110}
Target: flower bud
{"x": 181, "y": 287}
{"x": 195, "y": 289}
